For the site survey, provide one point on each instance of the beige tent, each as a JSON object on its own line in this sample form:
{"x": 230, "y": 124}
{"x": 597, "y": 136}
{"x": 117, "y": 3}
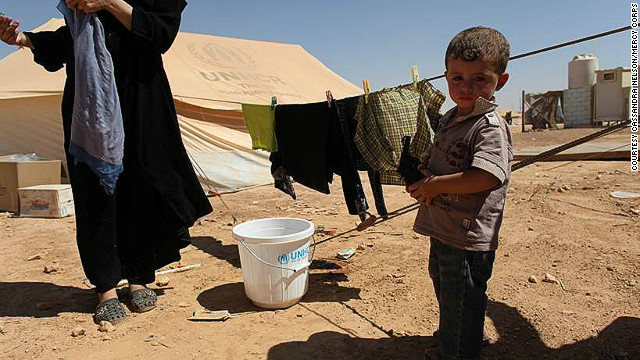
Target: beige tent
{"x": 210, "y": 76}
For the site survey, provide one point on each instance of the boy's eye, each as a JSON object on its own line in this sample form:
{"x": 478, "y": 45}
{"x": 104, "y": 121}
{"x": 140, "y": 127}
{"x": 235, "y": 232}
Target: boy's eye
{"x": 457, "y": 78}
{"x": 479, "y": 79}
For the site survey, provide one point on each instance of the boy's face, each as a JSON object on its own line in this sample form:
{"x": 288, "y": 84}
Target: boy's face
{"x": 468, "y": 80}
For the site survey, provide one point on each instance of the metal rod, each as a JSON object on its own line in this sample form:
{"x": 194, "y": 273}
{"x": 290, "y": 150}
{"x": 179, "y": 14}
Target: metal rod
{"x": 561, "y": 148}
{"x": 411, "y": 207}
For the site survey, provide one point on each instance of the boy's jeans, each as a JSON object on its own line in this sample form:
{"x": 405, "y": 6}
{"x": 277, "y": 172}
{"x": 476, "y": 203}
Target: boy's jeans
{"x": 460, "y": 282}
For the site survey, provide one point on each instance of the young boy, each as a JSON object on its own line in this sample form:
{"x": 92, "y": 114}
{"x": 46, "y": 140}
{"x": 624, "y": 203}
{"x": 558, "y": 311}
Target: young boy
{"x": 467, "y": 173}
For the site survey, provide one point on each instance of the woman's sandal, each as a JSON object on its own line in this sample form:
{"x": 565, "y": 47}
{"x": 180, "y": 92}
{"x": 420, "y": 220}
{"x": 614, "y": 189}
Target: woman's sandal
{"x": 143, "y": 300}
{"x": 486, "y": 340}
{"x": 109, "y": 310}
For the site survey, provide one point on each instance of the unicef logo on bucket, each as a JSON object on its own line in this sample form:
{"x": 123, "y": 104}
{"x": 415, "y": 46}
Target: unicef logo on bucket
{"x": 294, "y": 256}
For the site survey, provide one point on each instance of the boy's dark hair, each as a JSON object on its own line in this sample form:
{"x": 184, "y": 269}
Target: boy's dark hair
{"x": 480, "y": 43}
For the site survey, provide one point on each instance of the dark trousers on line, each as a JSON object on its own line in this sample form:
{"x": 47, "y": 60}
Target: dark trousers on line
{"x": 460, "y": 283}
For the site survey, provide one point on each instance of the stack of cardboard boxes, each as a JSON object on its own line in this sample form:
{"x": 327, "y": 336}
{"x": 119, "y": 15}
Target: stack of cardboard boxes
{"x": 32, "y": 188}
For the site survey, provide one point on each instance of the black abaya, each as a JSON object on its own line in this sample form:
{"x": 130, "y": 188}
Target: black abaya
{"x": 142, "y": 227}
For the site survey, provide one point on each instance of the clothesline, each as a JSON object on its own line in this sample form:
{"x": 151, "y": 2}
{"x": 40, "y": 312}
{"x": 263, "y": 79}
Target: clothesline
{"x": 373, "y": 221}
{"x": 411, "y": 207}
{"x": 515, "y": 57}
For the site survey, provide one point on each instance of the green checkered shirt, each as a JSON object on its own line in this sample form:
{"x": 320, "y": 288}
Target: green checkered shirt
{"x": 390, "y": 115}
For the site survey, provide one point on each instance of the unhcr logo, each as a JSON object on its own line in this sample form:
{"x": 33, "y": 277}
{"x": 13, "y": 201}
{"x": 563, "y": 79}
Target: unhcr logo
{"x": 222, "y": 56}
{"x": 293, "y": 256}
{"x": 235, "y": 66}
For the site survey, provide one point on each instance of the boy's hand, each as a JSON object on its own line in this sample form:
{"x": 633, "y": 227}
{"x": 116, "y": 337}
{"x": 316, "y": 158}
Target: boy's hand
{"x": 423, "y": 169}
{"x": 424, "y": 190}
{"x": 470, "y": 181}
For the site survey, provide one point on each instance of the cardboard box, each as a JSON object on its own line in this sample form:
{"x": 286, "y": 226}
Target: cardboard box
{"x": 49, "y": 201}
{"x": 19, "y": 174}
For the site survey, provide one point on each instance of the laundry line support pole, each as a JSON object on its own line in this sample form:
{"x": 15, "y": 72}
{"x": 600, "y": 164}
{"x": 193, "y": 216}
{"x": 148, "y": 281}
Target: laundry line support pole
{"x": 522, "y": 112}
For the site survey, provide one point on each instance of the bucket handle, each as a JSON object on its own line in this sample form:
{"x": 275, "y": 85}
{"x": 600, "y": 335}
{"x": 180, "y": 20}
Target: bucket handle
{"x": 295, "y": 269}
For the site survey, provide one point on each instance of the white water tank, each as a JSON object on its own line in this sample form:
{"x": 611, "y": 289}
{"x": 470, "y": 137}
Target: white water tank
{"x": 582, "y": 71}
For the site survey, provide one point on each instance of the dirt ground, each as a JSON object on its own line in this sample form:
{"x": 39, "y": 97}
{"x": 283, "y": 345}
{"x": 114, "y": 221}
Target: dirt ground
{"x": 559, "y": 220}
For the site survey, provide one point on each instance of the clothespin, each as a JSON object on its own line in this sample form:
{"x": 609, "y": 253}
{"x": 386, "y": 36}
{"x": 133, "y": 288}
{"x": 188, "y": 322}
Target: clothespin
{"x": 367, "y": 90}
{"x": 329, "y": 98}
{"x": 414, "y": 74}
{"x": 274, "y": 102}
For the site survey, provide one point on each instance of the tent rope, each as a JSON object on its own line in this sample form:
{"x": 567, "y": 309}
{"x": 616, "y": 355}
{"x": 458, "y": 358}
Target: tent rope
{"x": 210, "y": 186}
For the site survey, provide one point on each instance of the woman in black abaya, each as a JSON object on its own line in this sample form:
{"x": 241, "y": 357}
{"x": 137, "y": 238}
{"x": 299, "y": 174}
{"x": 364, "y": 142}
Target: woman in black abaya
{"x": 158, "y": 197}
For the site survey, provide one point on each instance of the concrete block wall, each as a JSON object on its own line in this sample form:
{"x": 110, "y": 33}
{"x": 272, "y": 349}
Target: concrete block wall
{"x": 576, "y": 107}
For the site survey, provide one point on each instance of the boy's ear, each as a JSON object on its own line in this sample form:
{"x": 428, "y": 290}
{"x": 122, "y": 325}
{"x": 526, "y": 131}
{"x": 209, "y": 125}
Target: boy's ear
{"x": 502, "y": 80}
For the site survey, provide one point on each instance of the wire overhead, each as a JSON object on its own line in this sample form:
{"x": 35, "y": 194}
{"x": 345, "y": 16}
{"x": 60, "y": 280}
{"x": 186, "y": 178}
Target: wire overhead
{"x": 549, "y": 48}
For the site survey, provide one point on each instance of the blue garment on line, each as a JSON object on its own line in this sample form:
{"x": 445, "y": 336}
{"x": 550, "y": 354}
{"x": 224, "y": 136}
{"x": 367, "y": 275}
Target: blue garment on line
{"x": 97, "y": 130}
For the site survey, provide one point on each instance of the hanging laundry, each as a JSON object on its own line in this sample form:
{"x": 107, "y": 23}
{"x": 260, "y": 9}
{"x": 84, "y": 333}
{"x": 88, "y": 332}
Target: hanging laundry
{"x": 281, "y": 179}
{"x": 409, "y": 165}
{"x": 311, "y": 148}
{"x": 342, "y": 158}
{"x": 97, "y": 130}
{"x": 260, "y": 121}
{"x": 302, "y": 131}
{"x": 347, "y": 109}
{"x": 391, "y": 114}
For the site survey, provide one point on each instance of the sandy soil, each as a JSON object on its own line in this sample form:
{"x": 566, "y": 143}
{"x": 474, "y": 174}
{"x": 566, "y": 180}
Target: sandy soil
{"x": 377, "y": 305}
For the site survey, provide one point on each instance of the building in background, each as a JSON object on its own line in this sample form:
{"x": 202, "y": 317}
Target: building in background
{"x": 577, "y": 101}
{"x": 545, "y": 110}
{"x": 612, "y": 94}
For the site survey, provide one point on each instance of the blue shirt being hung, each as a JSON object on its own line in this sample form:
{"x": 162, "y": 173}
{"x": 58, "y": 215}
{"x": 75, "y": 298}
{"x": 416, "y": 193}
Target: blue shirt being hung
{"x": 97, "y": 132}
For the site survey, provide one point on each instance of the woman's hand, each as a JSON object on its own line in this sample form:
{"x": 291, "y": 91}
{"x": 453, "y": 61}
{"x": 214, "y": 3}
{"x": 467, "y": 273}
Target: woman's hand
{"x": 89, "y": 6}
{"x": 118, "y": 8}
{"x": 9, "y": 33}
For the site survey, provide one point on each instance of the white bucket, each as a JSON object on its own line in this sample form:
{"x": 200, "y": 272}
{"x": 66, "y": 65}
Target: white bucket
{"x": 274, "y": 256}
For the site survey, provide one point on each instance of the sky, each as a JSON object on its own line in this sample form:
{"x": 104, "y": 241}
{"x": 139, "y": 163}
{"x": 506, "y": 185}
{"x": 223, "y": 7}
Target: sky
{"x": 381, "y": 40}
